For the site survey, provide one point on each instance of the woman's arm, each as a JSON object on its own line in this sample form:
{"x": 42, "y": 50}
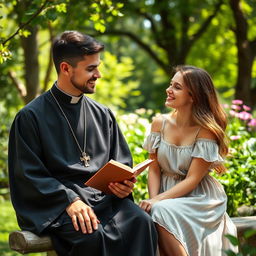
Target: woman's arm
{"x": 197, "y": 170}
{"x": 154, "y": 173}
{"x": 154, "y": 177}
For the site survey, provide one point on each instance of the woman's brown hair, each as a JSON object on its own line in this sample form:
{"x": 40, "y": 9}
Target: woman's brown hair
{"x": 206, "y": 109}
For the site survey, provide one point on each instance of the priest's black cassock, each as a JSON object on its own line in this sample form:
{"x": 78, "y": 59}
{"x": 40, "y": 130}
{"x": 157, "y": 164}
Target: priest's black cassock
{"x": 46, "y": 175}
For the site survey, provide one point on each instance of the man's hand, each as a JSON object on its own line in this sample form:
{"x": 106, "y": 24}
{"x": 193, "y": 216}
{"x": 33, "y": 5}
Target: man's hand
{"x": 123, "y": 189}
{"x": 82, "y": 213}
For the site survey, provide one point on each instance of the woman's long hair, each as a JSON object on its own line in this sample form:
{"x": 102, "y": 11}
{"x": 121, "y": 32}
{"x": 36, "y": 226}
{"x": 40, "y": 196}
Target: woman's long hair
{"x": 206, "y": 109}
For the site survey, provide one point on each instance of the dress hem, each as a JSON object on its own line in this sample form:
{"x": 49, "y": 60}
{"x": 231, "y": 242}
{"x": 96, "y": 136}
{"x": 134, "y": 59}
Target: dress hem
{"x": 175, "y": 235}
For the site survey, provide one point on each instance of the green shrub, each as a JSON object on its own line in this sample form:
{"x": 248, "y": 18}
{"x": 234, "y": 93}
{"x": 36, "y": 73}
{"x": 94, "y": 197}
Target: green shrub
{"x": 240, "y": 179}
{"x": 135, "y": 126}
{"x": 245, "y": 249}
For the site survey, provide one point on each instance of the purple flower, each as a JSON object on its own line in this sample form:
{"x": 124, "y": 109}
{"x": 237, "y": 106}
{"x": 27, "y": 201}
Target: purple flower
{"x": 238, "y": 102}
{"x": 244, "y": 115}
{"x": 252, "y": 122}
{"x": 235, "y": 137}
{"x": 246, "y": 108}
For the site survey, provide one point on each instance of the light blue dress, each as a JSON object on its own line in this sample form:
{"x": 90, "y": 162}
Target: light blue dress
{"x": 199, "y": 219}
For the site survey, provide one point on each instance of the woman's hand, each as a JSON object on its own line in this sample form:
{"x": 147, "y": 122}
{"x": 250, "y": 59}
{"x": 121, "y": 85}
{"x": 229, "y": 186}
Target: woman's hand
{"x": 146, "y": 205}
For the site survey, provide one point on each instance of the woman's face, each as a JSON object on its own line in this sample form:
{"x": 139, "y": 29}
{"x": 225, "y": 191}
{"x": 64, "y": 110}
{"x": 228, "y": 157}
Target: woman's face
{"x": 177, "y": 93}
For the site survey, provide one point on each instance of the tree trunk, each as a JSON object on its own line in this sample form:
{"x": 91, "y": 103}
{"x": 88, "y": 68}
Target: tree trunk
{"x": 31, "y": 73}
{"x": 243, "y": 84}
{"x": 245, "y": 55}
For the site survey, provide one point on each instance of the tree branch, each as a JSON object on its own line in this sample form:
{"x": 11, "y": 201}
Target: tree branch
{"x": 141, "y": 44}
{"x": 206, "y": 23}
{"x": 168, "y": 35}
{"x": 50, "y": 62}
{"x": 20, "y": 86}
{"x": 241, "y": 22}
{"x": 153, "y": 26}
{"x": 26, "y": 23}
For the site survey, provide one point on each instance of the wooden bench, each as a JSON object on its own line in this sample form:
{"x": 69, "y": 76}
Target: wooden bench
{"x": 243, "y": 224}
{"x": 26, "y": 242}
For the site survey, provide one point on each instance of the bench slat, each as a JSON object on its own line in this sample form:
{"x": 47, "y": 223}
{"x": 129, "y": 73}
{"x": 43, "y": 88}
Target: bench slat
{"x": 26, "y": 242}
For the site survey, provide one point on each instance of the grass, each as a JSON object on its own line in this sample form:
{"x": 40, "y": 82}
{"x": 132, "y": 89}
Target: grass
{"x": 8, "y": 224}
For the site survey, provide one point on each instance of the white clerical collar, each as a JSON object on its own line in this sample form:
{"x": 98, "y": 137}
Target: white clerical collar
{"x": 73, "y": 99}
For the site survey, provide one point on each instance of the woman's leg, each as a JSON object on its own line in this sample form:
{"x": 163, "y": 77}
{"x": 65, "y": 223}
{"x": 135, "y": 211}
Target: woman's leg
{"x": 168, "y": 244}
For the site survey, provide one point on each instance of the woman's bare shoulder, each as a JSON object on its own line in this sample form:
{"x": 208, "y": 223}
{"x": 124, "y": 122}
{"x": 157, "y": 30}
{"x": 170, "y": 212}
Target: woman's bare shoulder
{"x": 157, "y": 123}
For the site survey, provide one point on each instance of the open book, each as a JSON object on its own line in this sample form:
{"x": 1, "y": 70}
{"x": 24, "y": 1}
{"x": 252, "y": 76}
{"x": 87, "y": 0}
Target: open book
{"x": 114, "y": 171}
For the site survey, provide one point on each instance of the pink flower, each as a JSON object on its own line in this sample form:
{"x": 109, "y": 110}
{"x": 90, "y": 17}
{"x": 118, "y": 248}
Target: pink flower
{"x": 238, "y": 102}
{"x": 252, "y": 122}
{"x": 246, "y": 108}
{"x": 236, "y": 107}
{"x": 235, "y": 137}
{"x": 244, "y": 115}
{"x": 233, "y": 113}
{"x": 225, "y": 105}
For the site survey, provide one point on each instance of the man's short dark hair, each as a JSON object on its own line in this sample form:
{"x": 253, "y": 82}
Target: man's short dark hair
{"x": 72, "y": 46}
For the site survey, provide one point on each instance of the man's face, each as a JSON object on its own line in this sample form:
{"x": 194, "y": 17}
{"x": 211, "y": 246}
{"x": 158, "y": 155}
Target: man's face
{"x": 83, "y": 77}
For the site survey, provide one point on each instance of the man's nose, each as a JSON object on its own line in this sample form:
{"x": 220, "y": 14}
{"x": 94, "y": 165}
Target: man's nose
{"x": 97, "y": 74}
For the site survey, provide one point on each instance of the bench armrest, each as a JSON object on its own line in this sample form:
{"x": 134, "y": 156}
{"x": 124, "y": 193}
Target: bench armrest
{"x": 25, "y": 242}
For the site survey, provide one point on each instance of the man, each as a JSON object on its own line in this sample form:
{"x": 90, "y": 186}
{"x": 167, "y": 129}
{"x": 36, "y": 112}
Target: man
{"x": 57, "y": 142}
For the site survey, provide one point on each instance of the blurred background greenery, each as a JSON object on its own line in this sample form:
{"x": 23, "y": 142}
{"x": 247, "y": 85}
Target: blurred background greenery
{"x": 144, "y": 40}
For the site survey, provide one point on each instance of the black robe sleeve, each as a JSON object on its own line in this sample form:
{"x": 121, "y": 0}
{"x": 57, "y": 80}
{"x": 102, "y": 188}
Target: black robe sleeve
{"x": 36, "y": 195}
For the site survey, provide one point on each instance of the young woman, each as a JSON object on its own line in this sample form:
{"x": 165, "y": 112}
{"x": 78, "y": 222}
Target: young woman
{"x": 186, "y": 203}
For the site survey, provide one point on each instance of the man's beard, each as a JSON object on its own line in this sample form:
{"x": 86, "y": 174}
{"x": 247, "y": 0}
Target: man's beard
{"x": 83, "y": 87}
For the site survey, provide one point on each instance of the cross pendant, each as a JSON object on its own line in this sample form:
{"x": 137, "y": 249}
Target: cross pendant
{"x": 85, "y": 158}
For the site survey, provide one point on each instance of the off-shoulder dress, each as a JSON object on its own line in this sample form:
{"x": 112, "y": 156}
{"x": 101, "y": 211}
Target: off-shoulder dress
{"x": 199, "y": 219}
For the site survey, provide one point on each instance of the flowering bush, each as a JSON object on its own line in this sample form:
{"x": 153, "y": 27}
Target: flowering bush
{"x": 240, "y": 179}
{"x": 135, "y": 127}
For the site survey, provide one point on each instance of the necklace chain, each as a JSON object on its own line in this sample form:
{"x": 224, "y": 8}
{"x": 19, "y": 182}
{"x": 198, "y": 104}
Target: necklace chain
{"x": 85, "y": 157}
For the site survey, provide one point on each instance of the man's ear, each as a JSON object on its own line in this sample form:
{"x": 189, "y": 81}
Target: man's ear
{"x": 65, "y": 68}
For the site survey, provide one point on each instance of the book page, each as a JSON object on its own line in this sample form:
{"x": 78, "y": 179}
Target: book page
{"x": 143, "y": 165}
{"x": 126, "y": 167}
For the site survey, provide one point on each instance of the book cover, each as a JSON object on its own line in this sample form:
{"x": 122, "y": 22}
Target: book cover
{"x": 114, "y": 171}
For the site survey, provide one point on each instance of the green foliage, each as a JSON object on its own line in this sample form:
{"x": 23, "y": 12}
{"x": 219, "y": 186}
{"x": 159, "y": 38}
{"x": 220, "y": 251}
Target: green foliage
{"x": 43, "y": 12}
{"x": 216, "y": 52}
{"x": 5, "y": 122}
{"x": 8, "y": 224}
{"x": 245, "y": 249}
{"x": 134, "y": 127}
{"x": 99, "y": 10}
{"x": 114, "y": 86}
{"x": 5, "y": 54}
{"x": 239, "y": 180}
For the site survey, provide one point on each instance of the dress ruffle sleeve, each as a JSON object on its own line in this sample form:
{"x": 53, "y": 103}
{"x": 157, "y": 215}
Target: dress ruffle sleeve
{"x": 208, "y": 150}
{"x": 152, "y": 142}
